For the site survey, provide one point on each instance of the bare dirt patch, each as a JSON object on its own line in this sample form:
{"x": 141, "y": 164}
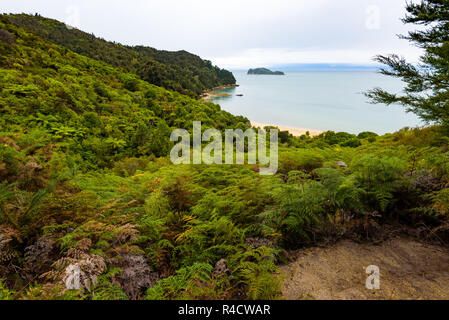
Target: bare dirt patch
{"x": 408, "y": 270}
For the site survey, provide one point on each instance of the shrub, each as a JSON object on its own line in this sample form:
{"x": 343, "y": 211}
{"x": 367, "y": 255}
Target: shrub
{"x": 380, "y": 177}
{"x": 194, "y": 282}
{"x": 10, "y": 160}
{"x": 128, "y": 167}
{"x": 367, "y": 135}
{"x": 253, "y": 270}
{"x": 440, "y": 202}
{"x": 352, "y": 143}
{"x": 5, "y": 294}
{"x": 6, "y": 37}
{"x": 303, "y": 160}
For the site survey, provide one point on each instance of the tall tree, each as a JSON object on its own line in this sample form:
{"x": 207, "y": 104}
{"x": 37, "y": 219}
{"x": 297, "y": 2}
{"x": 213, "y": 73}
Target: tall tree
{"x": 427, "y": 83}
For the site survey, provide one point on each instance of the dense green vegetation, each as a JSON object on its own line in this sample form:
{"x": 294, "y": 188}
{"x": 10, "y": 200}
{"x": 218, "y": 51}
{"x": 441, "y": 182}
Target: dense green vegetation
{"x": 85, "y": 184}
{"x": 100, "y": 113}
{"x": 179, "y": 71}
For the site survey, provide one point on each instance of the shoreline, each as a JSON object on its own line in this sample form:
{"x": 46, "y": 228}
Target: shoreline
{"x": 209, "y": 94}
{"x": 296, "y": 131}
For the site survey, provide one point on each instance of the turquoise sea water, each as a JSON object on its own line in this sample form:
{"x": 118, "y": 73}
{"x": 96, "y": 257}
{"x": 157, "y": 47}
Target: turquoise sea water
{"x": 323, "y": 100}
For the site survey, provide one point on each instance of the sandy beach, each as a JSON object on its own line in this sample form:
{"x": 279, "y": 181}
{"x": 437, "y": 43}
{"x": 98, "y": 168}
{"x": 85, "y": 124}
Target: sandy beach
{"x": 293, "y": 130}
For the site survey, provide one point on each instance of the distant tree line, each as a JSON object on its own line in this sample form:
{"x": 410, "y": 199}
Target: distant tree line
{"x": 179, "y": 71}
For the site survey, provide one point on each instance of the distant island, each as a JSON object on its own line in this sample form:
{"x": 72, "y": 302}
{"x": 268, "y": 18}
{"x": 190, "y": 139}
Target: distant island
{"x": 265, "y": 71}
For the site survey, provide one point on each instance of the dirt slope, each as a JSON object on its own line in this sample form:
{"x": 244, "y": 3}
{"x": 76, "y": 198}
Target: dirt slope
{"x": 408, "y": 270}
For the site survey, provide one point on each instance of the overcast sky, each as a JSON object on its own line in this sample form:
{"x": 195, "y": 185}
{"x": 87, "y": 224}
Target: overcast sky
{"x": 241, "y": 33}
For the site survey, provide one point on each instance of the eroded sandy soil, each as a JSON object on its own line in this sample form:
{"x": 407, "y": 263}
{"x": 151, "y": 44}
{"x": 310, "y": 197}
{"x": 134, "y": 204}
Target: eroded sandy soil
{"x": 408, "y": 270}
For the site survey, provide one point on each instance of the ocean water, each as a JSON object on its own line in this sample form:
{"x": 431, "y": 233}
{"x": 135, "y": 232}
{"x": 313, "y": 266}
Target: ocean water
{"x": 321, "y": 100}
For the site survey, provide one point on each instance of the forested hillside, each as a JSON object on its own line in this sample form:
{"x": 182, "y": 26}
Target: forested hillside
{"x": 101, "y": 113}
{"x": 180, "y": 71}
